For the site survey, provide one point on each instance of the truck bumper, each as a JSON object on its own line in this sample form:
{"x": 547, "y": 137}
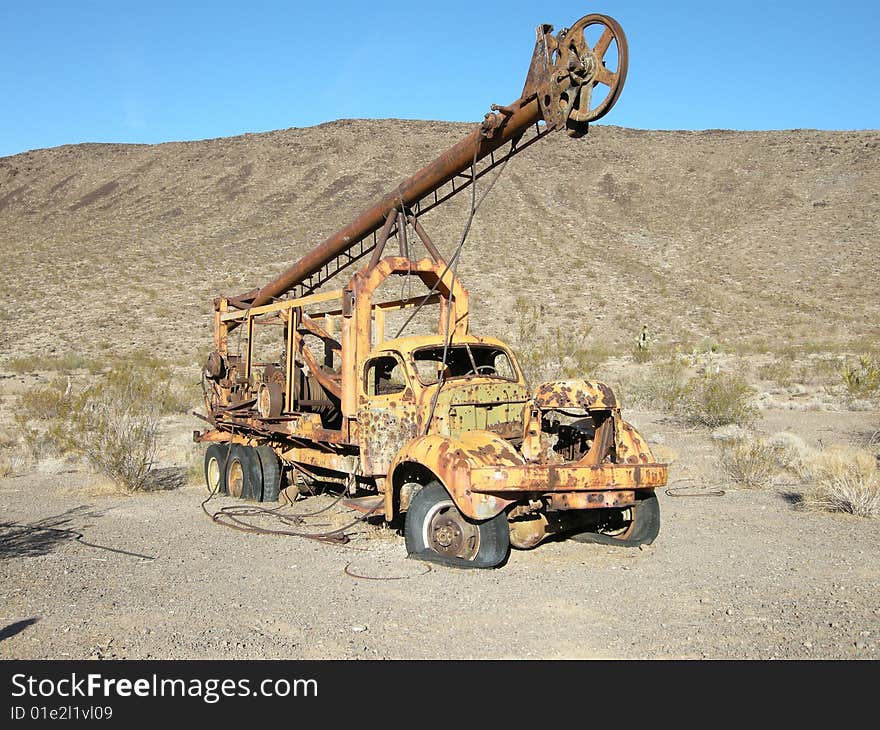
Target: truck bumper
{"x": 570, "y": 486}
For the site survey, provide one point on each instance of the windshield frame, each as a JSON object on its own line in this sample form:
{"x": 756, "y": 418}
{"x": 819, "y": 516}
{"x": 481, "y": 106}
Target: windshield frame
{"x": 514, "y": 365}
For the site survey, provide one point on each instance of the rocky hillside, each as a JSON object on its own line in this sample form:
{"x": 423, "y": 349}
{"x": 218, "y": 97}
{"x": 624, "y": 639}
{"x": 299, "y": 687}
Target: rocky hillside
{"x": 751, "y": 239}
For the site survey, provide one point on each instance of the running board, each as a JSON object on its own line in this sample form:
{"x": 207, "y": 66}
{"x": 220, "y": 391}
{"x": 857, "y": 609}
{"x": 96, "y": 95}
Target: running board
{"x": 371, "y": 503}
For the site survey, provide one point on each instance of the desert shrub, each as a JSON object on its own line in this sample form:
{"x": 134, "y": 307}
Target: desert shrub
{"x": 65, "y": 363}
{"x": 663, "y": 387}
{"x": 862, "y": 379}
{"x": 780, "y": 372}
{"x": 8, "y": 452}
{"x": 793, "y": 453}
{"x": 641, "y": 355}
{"x": 750, "y": 462}
{"x": 717, "y": 400}
{"x": 712, "y": 399}
{"x": 114, "y": 425}
{"x": 845, "y": 480}
{"x": 35, "y": 444}
{"x": 45, "y": 402}
{"x": 822, "y": 369}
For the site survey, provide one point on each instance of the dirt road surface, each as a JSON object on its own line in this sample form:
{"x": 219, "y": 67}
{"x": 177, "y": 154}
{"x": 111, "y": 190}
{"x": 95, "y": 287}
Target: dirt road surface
{"x": 743, "y": 575}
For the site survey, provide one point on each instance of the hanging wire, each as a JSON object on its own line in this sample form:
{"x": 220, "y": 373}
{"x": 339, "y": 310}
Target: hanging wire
{"x": 454, "y": 259}
{"x": 447, "y": 334}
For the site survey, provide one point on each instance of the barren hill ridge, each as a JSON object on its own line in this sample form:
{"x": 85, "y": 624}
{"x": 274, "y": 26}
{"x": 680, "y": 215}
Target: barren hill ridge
{"x": 746, "y": 238}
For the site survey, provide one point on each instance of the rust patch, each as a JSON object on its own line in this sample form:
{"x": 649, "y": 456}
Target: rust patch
{"x": 584, "y": 394}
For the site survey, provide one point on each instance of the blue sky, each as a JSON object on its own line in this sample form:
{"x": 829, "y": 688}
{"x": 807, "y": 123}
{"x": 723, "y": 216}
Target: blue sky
{"x": 81, "y": 71}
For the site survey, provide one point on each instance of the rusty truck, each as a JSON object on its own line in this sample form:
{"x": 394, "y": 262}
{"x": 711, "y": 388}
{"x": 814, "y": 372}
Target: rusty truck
{"x": 437, "y": 433}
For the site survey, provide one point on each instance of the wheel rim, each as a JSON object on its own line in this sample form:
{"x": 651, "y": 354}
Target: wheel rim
{"x": 621, "y": 524}
{"x": 235, "y": 481}
{"x": 213, "y": 475}
{"x": 447, "y": 532}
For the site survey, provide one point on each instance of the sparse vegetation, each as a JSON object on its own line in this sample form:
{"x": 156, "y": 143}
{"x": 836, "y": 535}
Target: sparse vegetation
{"x": 779, "y": 371}
{"x": 717, "y": 400}
{"x": 45, "y": 402}
{"x": 664, "y": 385}
{"x": 112, "y": 423}
{"x": 64, "y": 363}
{"x": 35, "y": 444}
{"x": 750, "y": 462}
{"x": 862, "y": 378}
{"x": 845, "y": 480}
{"x": 10, "y": 457}
{"x": 559, "y": 354}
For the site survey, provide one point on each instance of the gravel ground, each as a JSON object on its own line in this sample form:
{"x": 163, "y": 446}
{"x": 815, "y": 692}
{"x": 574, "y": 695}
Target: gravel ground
{"x": 743, "y": 575}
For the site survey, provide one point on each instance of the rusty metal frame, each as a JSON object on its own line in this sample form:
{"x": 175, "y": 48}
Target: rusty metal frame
{"x": 504, "y": 463}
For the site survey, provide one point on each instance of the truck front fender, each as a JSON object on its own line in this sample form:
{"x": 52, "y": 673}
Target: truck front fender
{"x": 451, "y": 460}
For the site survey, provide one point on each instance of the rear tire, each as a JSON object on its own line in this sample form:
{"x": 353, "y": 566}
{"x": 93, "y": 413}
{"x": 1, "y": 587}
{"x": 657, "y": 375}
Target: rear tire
{"x": 244, "y": 473}
{"x": 270, "y": 466}
{"x": 215, "y": 468}
{"x": 641, "y": 529}
{"x": 435, "y": 530}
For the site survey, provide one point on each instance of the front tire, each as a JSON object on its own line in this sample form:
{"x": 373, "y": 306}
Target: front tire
{"x": 437, "y": 531}
{"x": 640, "y": 527}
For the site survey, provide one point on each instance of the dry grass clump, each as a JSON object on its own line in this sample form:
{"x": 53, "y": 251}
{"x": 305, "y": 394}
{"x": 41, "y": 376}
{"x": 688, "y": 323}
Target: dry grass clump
{"x": 793, "y": 453}
{"x": 836, "y": 479}
{"x": 750, "y": 462}
{"x": 844, "y": 480}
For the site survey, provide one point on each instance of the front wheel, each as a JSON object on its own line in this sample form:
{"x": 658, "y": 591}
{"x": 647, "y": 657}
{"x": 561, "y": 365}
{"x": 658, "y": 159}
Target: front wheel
{"x": 436, "y": 530}
{"x": 628, "y": 527}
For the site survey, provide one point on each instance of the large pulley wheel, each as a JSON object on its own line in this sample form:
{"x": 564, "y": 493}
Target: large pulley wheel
{"x": 595, "y": 71}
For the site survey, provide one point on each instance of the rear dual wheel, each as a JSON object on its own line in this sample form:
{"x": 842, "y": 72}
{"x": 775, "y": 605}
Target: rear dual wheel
{"x": 244, "y": 472}
{"x": 215, "y": 468}
{"x": 627, "y": 527}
